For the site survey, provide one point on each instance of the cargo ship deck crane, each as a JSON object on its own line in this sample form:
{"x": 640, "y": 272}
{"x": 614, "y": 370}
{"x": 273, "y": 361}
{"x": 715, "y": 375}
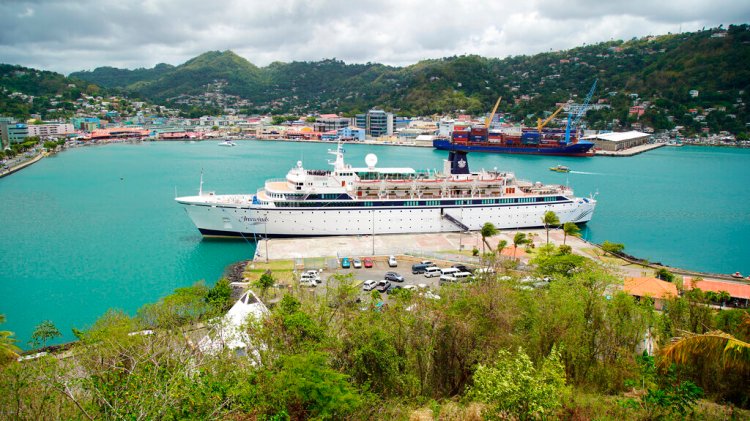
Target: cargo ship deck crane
{"x": 492, "y": 116}
{"x": 540, "y": 124}
{"x": 579, "y": 113}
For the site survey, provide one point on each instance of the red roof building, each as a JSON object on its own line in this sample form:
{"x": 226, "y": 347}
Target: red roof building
{"x": 740, "y": 292}
{"x": 651, "y": 287}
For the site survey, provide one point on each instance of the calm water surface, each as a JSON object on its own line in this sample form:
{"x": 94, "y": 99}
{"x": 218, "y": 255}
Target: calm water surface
{"x": 97, "y": 228}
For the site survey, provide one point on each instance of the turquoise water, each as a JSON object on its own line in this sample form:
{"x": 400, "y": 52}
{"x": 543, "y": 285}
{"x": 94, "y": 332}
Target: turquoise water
{"x": 97, "y": 228}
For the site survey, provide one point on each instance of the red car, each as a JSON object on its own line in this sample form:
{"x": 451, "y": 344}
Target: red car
{"x": 367, "y": 261}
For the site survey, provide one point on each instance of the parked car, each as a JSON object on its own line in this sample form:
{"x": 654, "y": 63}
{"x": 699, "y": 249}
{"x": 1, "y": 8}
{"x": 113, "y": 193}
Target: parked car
{"x": 383, "y": 286}
{"x": 312, "y": 274}
{"x": 345, "y": 263}
{"x": 308, "y": 282}
{"x": 427, "y": 262}
{"x": 418, "y": 268}
{"x": 392, "y": 261}
{"x": 369, "y": 285}
{"x": 307, "y": 278}
{"x": 432, "y": 271}
{"x": 463, "y": 268}
{"x": 444, "y": 279}
{"x": 393, "y": 276}
{"x": 357, "y": 263}
{"x": 367, "y": 261}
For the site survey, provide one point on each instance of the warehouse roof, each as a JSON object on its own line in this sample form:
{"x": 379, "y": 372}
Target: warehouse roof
{"x": 617, "y": 136}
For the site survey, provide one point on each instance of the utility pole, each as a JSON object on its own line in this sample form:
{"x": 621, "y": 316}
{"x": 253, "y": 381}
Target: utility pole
{"x": 373, "y": 232}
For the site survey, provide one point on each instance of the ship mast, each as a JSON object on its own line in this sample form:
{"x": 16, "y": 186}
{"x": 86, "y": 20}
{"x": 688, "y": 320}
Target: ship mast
{"x": 338, "y": 163}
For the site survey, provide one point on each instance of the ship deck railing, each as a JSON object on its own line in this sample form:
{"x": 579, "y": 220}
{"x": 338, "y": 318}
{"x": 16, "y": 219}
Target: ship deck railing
{"x": 236, "y": 199}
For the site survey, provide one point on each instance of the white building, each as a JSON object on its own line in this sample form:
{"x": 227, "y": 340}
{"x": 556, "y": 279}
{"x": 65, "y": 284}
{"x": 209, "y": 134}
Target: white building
{"x": 618, "y": 141}
{"x": 51, "y": 129}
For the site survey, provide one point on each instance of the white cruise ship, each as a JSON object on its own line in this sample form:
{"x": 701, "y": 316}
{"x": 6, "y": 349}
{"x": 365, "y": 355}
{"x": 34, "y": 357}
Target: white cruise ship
{"x": 369, "y": 200}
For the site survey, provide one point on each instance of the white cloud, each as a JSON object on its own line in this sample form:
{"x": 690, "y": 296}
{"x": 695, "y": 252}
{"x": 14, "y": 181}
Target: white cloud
{"x": 83, "y": 34}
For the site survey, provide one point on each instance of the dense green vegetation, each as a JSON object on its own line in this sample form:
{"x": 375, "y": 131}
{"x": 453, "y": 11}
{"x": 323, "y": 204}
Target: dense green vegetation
{"x": 660, "y": 70}
{"x": 492, "y": 348}
{"x": 25, "y": 91}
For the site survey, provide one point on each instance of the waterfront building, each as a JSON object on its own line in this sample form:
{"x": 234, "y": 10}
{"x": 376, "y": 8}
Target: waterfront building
{"x": 739, "y": 293}
{"x": 618, "y": 141}
{"x": 4, "y": 121}
{"x": 379, "y": 123}
{"x": 376, "y": 122}
{"x": 351, "y": 133}
{"x": 88, "y": 124}
{"x": 12, "y": 133}
{"x": 51, "y": 129}
{"x": 360, "y": 120}
{"x": 328, "y": 122}
{"x": 401, "y": 123}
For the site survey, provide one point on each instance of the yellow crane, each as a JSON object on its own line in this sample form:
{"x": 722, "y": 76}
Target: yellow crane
{"x": 494, "y": 110}
{"x": 540, "y": 124}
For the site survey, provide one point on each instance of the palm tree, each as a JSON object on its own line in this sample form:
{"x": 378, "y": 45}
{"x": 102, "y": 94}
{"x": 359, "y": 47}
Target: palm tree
{"x": 724, "y": 297}
{"x": 714, "y": 345}
{"x": 570, "y": 229}
{"x": 8, "y": 351}
{"x": 501, "y": 246}
{"x": 518, "y": 240}
{"x": 488, "y": 230}
{"x": 550, "y": 219}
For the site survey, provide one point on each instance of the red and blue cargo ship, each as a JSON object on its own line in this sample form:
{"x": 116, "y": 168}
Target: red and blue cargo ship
{"x": 528, "y": 141}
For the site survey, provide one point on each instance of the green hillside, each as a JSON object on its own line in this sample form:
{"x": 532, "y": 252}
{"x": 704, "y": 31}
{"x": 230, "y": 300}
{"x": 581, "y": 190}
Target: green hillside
{"x": 25, "y": 91}
{"x": 656, "y": 72}
{"x": 116, "y": 78}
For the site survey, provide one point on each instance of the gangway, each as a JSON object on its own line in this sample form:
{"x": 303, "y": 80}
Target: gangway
{"x": 455, "y": 222}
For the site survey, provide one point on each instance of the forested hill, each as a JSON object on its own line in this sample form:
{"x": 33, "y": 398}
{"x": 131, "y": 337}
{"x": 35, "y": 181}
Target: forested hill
{"x": 25, "y": 91}
{"x": 660, "y": 69}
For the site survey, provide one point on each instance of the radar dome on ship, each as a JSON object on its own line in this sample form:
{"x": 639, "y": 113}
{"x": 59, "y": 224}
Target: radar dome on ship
{"x": 371, "y": 160}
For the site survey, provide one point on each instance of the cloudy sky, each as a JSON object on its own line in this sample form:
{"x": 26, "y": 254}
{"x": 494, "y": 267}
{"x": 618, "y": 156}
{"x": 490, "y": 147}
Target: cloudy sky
{"x": 70, "y": 35}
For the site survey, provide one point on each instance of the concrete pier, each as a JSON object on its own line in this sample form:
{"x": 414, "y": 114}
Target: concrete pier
{"x": 631, "y": 151}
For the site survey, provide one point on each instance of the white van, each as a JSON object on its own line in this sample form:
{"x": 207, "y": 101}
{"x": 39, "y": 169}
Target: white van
{"x": 446, "y": 279}
{"x": 463, "y": 276}
{"x": 432, "y": 271}
{"x": 449, "y": 271}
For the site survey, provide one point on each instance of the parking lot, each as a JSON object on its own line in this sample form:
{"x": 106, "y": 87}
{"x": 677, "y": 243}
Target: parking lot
{"x": 378, "y": 271}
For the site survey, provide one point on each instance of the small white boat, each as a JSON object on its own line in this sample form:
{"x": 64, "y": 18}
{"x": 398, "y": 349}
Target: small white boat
{"x": 227, "y": 143}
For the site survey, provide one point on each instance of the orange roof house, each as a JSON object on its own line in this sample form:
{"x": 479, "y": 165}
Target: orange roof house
{"x": 735, "y": 289}
{"x": 650, "y": 287}
{"x": 739, "y": 292}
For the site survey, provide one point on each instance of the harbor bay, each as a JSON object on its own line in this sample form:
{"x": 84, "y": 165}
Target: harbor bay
{"x": 97, "y": 228}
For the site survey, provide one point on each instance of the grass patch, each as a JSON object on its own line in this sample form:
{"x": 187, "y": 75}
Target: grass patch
{"x": 281, "y": 269}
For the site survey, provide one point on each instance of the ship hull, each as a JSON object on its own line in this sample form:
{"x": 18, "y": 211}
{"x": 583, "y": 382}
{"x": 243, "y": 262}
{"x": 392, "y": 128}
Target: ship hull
{"x": 575, "y": 149}
{"x": 256, "y": 222}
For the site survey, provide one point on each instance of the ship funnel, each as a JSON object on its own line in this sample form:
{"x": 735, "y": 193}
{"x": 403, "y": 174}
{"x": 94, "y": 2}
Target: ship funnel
{"x": 459, "y": 163}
